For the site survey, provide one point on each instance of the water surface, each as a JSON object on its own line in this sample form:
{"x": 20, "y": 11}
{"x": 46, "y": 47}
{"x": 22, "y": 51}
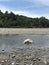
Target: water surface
{"x": 14, "y": 41}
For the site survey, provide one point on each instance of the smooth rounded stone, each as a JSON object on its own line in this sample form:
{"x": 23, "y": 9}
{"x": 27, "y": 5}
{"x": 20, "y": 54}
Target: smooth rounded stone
{"x": 38, "y": 59}
{"x": 6, "y": 60}
{"x": 2, "y": 61}
{"x": 13, "y": 63}
{"x": 13, "y": 56}
{"x": 39, "y": 63}
{"x": 34, "y": 59}
{"x": 28, "y": 57}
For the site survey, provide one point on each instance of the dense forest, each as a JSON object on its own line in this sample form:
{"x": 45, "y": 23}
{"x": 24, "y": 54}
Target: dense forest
{"x": 10, "y": 20}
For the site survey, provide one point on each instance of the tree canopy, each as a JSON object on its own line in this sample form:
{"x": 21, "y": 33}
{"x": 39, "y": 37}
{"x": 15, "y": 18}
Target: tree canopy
{"x": 11, "y": 20}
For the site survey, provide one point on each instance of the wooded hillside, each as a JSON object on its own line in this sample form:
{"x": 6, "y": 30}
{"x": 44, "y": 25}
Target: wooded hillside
{"x": 10, "y": 20}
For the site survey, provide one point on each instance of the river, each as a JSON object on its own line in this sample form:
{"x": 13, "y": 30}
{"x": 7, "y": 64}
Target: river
{"x": 16, "y": 41}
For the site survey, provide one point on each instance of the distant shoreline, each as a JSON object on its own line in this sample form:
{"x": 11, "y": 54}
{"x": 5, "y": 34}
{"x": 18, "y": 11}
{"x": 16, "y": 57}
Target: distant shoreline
{"x": 15, "y": 31}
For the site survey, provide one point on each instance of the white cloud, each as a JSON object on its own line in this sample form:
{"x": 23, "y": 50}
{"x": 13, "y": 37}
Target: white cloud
{"x": 3, "y": 8}
{"x": 29, "y": 14}
{"x": 25, "y": 13}
{"x": 21, "y": 12}
{"x": 45, "y": 2}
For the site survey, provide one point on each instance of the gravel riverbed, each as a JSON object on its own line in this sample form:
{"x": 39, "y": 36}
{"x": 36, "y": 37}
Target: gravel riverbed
{"x": 14, "y": 31}
{"x": 25, "y": 56}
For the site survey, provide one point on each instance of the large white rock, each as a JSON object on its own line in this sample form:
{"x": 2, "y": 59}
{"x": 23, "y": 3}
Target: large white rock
{"x": 28, "y": 41}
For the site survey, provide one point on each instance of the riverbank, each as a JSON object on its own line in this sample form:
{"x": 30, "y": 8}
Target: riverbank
{"x": 25, "y": 56}
{"x": 15, "y": 31}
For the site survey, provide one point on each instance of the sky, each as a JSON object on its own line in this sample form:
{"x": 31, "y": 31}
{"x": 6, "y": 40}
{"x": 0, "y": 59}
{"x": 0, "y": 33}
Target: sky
{"x": 29, "y": 8}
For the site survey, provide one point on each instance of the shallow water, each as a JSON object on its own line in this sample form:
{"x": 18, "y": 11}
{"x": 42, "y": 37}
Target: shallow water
{"x": 15, "y": 41}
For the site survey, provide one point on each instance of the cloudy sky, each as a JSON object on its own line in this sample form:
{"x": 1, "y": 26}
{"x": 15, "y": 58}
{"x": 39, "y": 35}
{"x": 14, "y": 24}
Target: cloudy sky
{"x": 30, "y": 8}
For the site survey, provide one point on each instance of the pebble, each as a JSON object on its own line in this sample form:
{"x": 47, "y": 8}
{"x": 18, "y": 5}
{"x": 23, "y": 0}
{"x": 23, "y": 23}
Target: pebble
{"x": 27, "y": 58}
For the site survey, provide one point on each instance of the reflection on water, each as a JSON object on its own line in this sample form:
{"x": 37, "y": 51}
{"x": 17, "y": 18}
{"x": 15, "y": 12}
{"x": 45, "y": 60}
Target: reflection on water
{"x": 7, "y": 42}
